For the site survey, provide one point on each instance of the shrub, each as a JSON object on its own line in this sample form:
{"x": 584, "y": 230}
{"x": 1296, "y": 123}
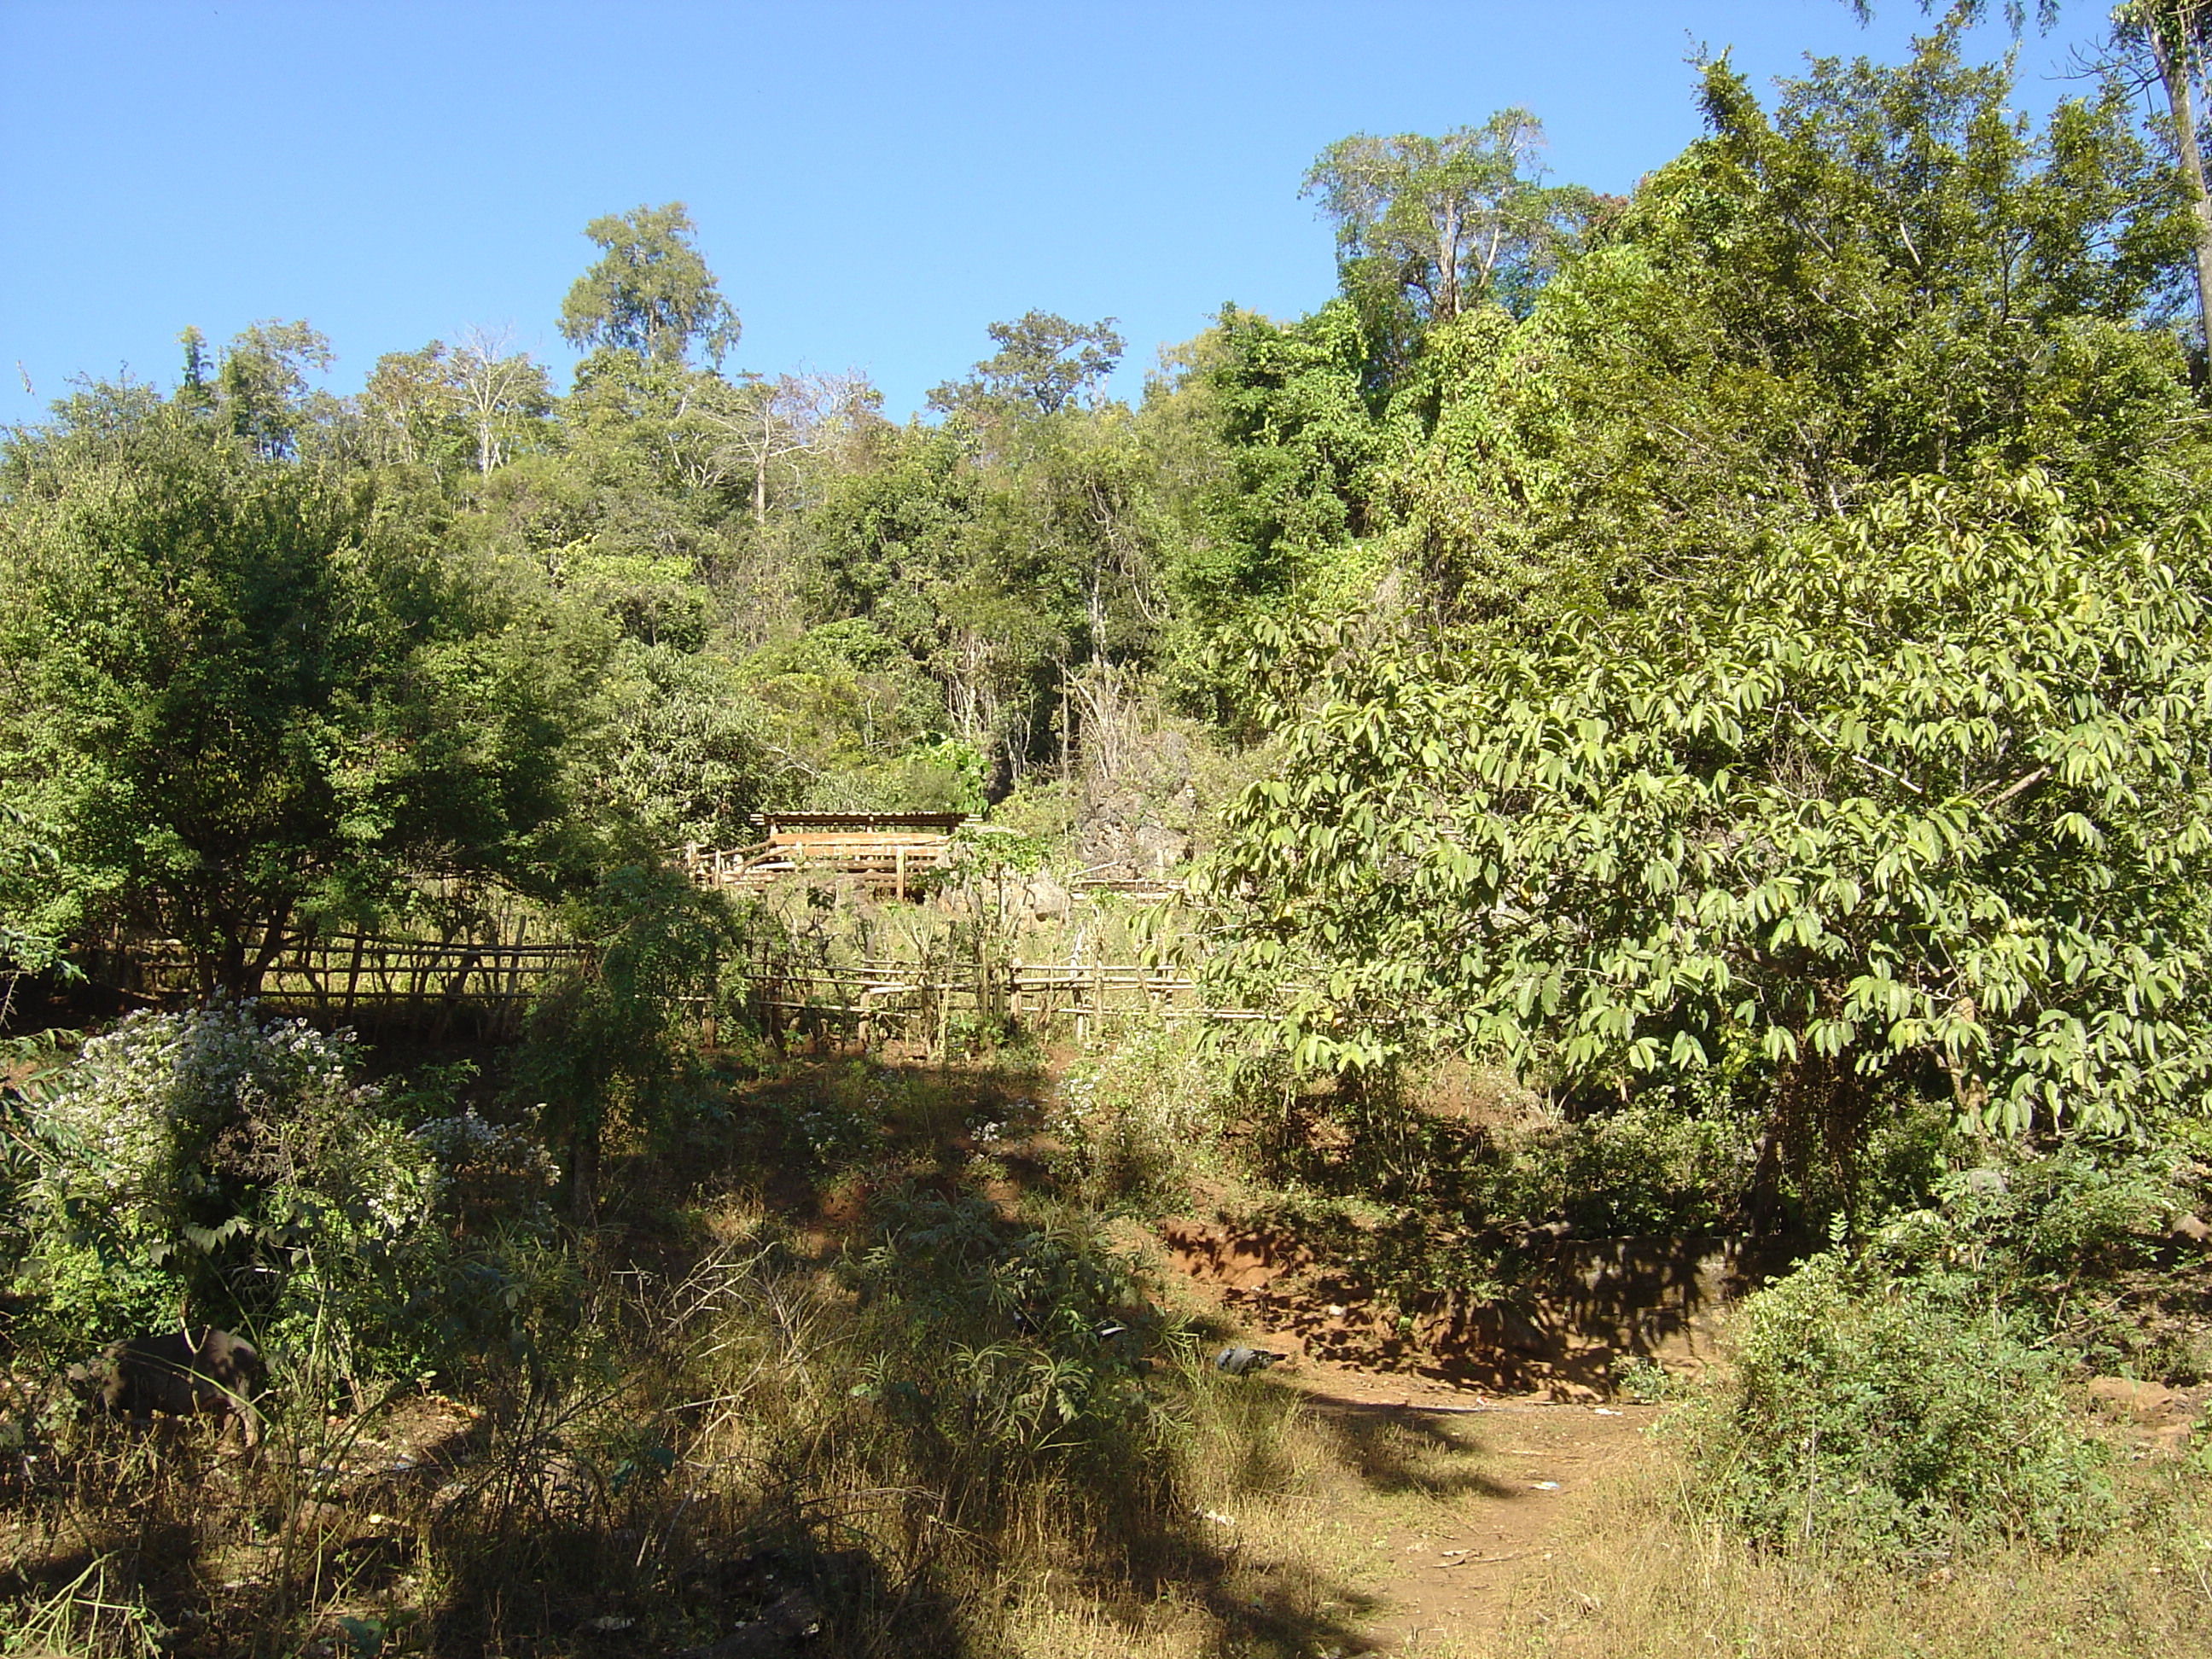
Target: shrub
{"x": 613, "y": 1045}
{"x": 2068, "y": 1238}
{"x": 2044, "y": 1222}
{"x": 206, "y": 1163}
{"x": 1887, "y": 1417}
{"x": 489, "y": 1176}
{"x": 209, "y": 1166}
{"x": 1142, "y": 1115}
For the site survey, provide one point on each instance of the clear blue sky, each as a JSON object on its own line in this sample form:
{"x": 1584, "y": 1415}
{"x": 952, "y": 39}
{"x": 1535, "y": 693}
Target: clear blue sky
{"x": 873, "y": 183}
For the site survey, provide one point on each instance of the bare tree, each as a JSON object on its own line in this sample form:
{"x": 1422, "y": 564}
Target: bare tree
{"x": 499, "y": 389}
{"x": 764, "y": 423}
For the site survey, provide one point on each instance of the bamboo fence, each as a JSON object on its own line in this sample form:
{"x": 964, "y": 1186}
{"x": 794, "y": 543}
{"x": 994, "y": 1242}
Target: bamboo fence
{"x": 427, "y": 986}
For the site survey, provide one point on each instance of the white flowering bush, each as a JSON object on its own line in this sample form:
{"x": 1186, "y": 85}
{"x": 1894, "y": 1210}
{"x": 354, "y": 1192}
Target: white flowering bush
{"x": 210, "y": 1166}
{"x": 487, "y": 1174}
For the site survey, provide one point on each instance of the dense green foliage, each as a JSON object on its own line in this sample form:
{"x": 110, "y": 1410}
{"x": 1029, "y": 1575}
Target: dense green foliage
{"x": 1904, "y": 1424}
{"x": 1723, "y": 672}
{"x": 248, "y": 694}
{"x": 217, "y": 1166}
{"x": 1802, "y": 678}
{"x": 1906, "y": 1401}
{"x": 1928, "y": 802}
{"x": 613, "y": 1042}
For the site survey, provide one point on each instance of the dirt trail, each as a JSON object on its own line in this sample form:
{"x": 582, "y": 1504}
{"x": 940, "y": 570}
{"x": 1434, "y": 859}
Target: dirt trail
{"x": 1507, "y": 1477}
{"x": 1462, "y": 1491}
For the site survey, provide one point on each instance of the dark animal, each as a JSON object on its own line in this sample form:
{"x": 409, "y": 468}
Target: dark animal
{"x": 176, "y": 1374}
{"x": 1239, "y": 1361}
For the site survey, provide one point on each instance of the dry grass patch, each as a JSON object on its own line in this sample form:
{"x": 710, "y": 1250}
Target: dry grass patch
{"x": 1636, "y": 1579}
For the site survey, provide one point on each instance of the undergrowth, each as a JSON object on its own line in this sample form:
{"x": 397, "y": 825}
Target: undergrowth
{"x": 872, "y": 1341}
{"x": 802, "y": 1352}
{"x": 1651, "y": 1573}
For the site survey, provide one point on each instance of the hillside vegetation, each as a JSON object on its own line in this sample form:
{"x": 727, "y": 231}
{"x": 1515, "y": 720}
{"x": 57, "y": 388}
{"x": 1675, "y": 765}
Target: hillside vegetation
{"x": 1679, "y": 727}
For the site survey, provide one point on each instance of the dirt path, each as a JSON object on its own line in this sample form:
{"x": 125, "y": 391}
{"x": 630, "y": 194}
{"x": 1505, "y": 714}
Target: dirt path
{"x": 1445, "y": 1495}
{"x": 1498, "y": 1482}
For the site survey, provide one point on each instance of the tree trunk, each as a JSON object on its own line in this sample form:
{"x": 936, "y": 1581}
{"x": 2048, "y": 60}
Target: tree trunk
{"x": 1448, "y": 241}
{"x": 265, "y": 955}
{"x": 2172, "y": 56}
{"x": 1764, "y": 1215}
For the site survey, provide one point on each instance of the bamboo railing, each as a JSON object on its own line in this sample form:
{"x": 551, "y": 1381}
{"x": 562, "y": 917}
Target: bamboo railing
{"x": 362, "y": 980}
{"x": 427, "y": 986}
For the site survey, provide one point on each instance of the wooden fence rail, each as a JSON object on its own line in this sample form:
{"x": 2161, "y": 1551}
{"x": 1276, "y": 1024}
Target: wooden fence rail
{"x": 426, "y": 986}
{"x": 361, "y": 979}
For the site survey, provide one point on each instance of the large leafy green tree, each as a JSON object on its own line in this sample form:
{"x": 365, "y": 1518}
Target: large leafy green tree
{"x": 1044, "y": 364}
{"x": 247, "y": 696}
{"x": 1448, "y": 222}
{"x": 939, "y": 553}
{"x": 2167, "y": 43}
{"x": 1888, "y": 275}
{"x": 1927, "y": 802}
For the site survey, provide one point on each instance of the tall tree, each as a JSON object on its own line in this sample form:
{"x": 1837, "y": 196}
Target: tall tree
{"x": 767, "y": 424}
{"x": 1924, "y": 803}
{"x": 1888, "y": 274}
{"x": 502, "y": 392}
{"x": 2174, "y": 34}
{"x": 650, "y": 290}
{"x": 247, "y": 695}
{"x": 2168, "y": 42}
{"x": 1044, "y": 364}
{"x": 260, "y": 381}
{"x": 1454, "y": 220}
{"x": 409, "y": 410}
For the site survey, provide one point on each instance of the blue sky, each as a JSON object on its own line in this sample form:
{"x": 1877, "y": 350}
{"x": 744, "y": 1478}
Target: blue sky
{"x": 873, "y": 183}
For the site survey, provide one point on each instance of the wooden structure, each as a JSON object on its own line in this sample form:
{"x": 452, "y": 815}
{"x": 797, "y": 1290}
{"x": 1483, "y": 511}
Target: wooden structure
{"x": 890, "y": 851}
{"x": 430, "y": 987}
{"x": 359, "y": 980}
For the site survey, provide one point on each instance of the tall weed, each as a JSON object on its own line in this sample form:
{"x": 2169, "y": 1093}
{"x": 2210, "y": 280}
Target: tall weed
{"x": 1144, "y": 1115}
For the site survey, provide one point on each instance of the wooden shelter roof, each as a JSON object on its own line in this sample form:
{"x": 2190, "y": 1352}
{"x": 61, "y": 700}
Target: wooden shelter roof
{"x": 940, "y": 822}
